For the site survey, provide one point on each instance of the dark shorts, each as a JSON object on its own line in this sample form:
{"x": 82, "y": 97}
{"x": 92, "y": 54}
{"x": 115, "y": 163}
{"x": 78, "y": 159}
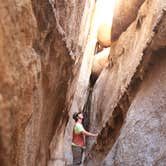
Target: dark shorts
{"x": 77, "y": 155}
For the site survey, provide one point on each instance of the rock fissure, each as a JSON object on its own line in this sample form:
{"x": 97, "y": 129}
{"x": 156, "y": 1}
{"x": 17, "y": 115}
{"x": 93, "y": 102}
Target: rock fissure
{"x": 59, "y": 57}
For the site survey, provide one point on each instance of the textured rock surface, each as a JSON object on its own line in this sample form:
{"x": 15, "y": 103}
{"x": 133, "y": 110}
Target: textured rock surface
{"x": 117, "y": 85}
{"x": 125, "y": 13}
{"x": 142, "y": 139}
{"x": 37, "y": 53}
{"x": 20, "y": 69}
{"x": 100, "y": 61}
{"x": 46, "y": 53}
{"x": 104, "y": 35}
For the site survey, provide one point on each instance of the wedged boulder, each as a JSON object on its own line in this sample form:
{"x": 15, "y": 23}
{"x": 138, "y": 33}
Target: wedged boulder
{"x": 100, "y": 61}
{"x": 125, "y": 13}
{"x": 104, "y": 35}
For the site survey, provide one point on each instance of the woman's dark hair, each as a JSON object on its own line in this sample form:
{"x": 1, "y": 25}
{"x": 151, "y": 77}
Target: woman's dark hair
{"x": 75, "y": 116}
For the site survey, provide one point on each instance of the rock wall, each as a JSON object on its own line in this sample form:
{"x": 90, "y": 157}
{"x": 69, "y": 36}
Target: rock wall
{"x": 40, "y": 58}
{"x": 125, "y": 13}
{"x": 46, "y": 54}
{"x": 142, "y": 139}
{"x": 117, "y": 87}
{"x": 20, "y": 77}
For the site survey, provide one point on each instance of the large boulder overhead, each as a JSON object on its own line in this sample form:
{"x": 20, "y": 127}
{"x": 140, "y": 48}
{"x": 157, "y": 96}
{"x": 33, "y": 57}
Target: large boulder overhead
{"x": 100, "y": 61}
{"x": 104, "y": 35}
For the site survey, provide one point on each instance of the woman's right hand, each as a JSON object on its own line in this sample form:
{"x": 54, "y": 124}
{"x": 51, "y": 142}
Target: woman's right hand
{"x": 95, "y": 135}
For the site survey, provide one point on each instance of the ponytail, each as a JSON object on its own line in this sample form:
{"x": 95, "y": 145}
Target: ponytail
{"x": 75, "y": 116}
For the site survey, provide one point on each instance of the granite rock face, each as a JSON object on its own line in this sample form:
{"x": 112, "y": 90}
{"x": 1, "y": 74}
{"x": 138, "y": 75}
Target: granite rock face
{"x": 120, "y": 105}
{"x": 125, "y": 13}
{"x": 39, "y": 60}
{"x": 20, "y": 70}
{"x": 142, "y": 139}
{"x": 47, "y": 50}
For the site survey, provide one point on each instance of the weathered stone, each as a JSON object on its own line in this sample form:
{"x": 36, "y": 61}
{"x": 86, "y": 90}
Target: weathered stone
{"x": 19, "y": 70}
{"x": 125, "y": 13}
{"x": 46, "y": 55}
{"x": 36, "y": 70}
{"x": 117, "y": 85}
{"x": 100, "y": 61}
{"x": 143, "y": 138}
{"x": 104, "y": 35}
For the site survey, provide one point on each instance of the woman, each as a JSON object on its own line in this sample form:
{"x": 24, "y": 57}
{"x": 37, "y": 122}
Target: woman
{"x": 78, "y": 142}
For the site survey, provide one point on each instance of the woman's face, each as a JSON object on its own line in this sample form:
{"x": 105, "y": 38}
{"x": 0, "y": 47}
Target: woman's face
{"x": 80, "y": 116}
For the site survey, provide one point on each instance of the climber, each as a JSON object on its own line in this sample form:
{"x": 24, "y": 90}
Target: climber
{"x": 78, "y": 141}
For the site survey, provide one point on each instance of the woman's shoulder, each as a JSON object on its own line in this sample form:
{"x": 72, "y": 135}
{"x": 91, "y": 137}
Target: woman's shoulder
{"x": 78, "y": 124}
{"x": 78, "y": 127}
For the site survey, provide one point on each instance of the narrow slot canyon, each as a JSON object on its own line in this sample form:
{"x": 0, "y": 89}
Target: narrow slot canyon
{"x": 104, "y": 58}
